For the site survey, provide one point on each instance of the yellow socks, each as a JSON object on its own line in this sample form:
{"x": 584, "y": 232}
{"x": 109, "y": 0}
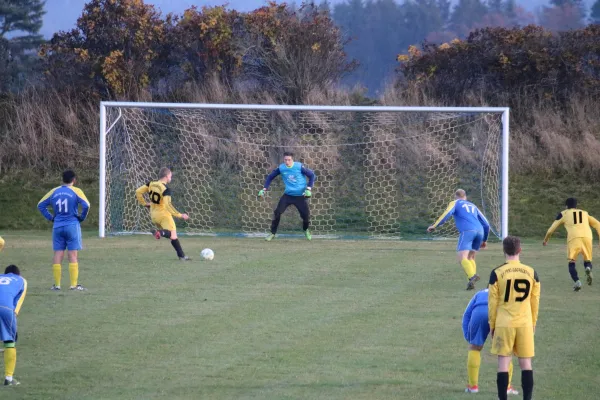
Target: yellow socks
{"x": 473, "y": 363}
{"x": 74, "y": 273}
{"x": 56, "y": 272}
{"x": 474, "y": 270}
{"x": 510, "y": 372}
{"x": 468, "y": 267}
{"x": 10, "y": 360}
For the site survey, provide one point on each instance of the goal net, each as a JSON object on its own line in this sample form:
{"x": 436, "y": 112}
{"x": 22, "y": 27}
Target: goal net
{"x": 381, "y": 171}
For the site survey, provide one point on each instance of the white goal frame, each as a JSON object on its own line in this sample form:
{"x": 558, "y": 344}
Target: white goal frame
{"x": 105, "y": 130}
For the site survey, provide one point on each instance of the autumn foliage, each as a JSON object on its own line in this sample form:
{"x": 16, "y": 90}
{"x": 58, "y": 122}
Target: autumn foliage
{"x": 507, "y": 64}
{"x": 121, "y": 48}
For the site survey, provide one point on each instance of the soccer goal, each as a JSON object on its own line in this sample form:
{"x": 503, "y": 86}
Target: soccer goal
{"x": 384, "y": 172}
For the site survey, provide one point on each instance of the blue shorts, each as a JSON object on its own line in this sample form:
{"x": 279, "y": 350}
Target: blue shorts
{"x": 469, "y": 240}
{"x": 8, "y": 325}
{"x": 479, "y": 328}
{"x": 67, "y": 237}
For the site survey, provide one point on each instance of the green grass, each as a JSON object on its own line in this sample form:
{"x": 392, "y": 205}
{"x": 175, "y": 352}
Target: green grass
{"x": 287, "y": 319}
{"x": 534, "y": 202}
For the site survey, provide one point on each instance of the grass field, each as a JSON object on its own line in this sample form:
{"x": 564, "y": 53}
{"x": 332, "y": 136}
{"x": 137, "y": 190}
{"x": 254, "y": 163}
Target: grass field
{"x": 289, "y": 319}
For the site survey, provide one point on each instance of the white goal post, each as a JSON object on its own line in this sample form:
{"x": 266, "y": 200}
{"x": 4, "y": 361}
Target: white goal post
{"x": 382, "y": 171}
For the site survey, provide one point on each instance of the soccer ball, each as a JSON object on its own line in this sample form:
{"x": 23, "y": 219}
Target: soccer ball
{"x": 207, "y": 254}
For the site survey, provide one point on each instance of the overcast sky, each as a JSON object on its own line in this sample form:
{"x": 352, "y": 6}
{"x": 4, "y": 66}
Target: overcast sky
{"x": 62, "y": 14}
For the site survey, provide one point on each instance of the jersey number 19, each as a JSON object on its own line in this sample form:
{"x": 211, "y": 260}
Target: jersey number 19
{"x": 522, "y": 286}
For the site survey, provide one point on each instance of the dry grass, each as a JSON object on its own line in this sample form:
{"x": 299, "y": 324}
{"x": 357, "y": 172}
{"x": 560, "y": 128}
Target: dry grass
{"x": 44, "y": 130}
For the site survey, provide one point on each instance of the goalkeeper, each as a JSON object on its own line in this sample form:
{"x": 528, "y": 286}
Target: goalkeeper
{"x": 296, "y": 193}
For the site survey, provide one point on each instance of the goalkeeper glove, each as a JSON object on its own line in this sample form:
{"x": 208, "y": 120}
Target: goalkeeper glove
{"x": 307, "y": 193}
{"x": 261, "y": 192}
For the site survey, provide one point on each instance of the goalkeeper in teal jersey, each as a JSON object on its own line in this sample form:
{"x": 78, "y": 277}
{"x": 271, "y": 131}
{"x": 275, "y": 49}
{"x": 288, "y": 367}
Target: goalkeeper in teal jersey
{"x": 473, "y": 228}
{"x": 296, "y": 193}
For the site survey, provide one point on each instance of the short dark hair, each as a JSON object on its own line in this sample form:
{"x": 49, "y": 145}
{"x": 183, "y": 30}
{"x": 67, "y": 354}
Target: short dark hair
{"x": 69, "y": 176}
{"x": 288, "y": 153}
{"x": 12, "y": 269}
{"x": 511, "y": 245}
{"x": 571, "y": 202}
{"x": 164, "y": 171}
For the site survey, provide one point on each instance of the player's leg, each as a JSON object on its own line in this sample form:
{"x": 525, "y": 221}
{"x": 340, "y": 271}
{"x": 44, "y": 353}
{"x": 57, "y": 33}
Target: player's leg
{"x": 59, "y": 244}
{"x": 1, "y": 243}
{"x": 473, "y": 364}
{"x": 74, "y": 244}
{"x": 8, "y": 332}
{"x": 475, "y": 246}
{"x": 301, "y": 204}
{"x": 511, "y": 389}
{"x": 479, "y": 330}
{"x": 177, "y": 245}
{"x": 282, "y": 205}
{"x": 524, "y": 348}
{"x": 463, "y": 248}
{"x": 587, "y": 259}
{"x": 467, "y": 265}
{"x": 502, "y": 376}
{"x": 526, "y": 377}
{"x": 503, "y": 344}
{"x": 574, "y": 248}
{"x": 167, "y": 223}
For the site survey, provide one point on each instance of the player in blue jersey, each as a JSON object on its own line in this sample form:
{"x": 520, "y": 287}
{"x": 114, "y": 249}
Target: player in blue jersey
{"x": 296, "y": 193}
{"x": 12, "y": 293}
{"x": 66, "y": 233}
{"x": 476, "y": 329}
{"x": 473, "y": 228}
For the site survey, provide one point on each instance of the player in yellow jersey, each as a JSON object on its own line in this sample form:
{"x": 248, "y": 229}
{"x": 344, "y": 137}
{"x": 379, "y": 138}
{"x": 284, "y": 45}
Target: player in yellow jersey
{"x": 579, "y": 238}
{"x": 1, "y": 243}
{"x": 161, "y": 209}
{"x": 513, "y": 303}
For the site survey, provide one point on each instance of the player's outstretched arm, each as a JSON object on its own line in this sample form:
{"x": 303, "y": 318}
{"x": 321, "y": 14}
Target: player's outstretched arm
{"x": 139, "y": 194}
{"x": 594, "y": 223}
{"x": 557, "y": 222}
{"x": 486, "y": 228}
{"x": 467, "y": 317}
{"x": 269, "y": 179}
{"x": 535, "y": 299}
{"x": 21, "y": 297}
{"x": 171, "y": 209}
{"x": 46, "y": 202}
{"x": 449, "y": 212}
{"x": 310, "y": 174}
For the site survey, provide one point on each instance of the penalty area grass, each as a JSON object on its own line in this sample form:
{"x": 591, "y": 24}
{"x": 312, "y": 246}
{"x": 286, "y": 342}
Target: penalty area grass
{"x": 288, "y": 319}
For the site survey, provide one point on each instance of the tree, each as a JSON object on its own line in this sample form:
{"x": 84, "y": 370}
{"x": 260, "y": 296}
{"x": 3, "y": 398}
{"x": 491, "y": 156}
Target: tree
{"x": 595, "y": 12}
{"x": 495, "y": 6}
{"x": 201, "y": 43}
{"x": 289, "y": 54}
{"x": 466, "y": 13}
{"x": 112, "y": 49}
{"x": 325, "y": 7}
{"x": 444, "y": 9}
{"x": 20, "y": 20}
{"x": 421, "y": 17}
{"x": 564, "y": 15}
